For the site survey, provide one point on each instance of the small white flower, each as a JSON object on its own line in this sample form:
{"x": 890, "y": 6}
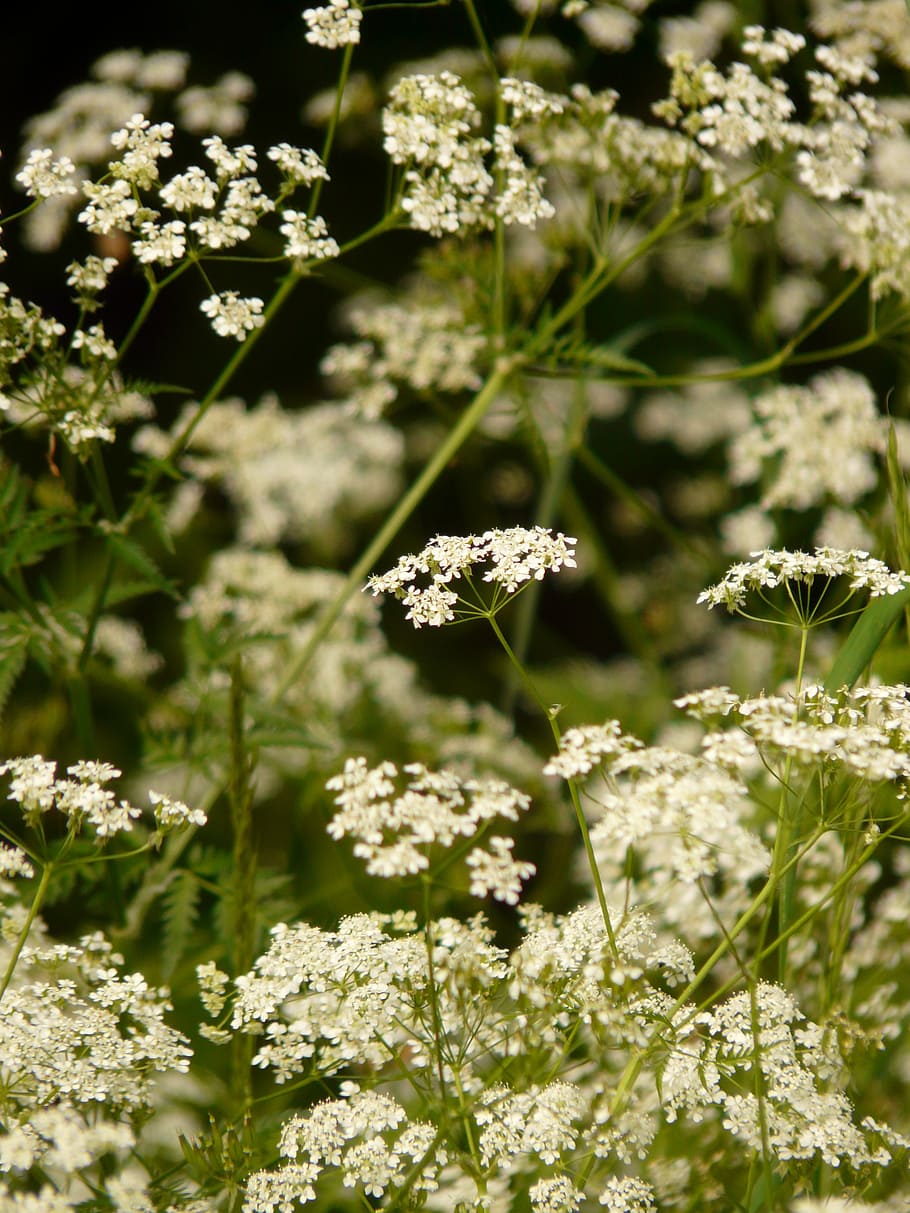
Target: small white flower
{"x": 307, "y": 239}
{"x": 42, "y": 176}
{"x": 232, "y": 316}
{"x": 174, "y": 814}
{"x": 300, "y": 165}
{"x": 333, "y": 25}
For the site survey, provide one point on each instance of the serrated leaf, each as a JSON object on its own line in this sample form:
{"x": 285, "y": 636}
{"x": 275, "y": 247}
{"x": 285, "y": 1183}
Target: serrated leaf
{"x": 13, "y": 496}
{"x": 180, "y": 910}
{"x": 134, "y": 555}
{"x": 13, "y": 654}
{"x": 159, "y": 526}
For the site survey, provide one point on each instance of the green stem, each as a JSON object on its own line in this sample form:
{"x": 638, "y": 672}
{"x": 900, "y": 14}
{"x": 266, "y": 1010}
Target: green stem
{"x": 438, "y": 1033}
{"x": 233, "y": 364}
{"x": 764, "y": 366}
{"x": 37, "y": 902}
{"x": 550, "y": 715}
{"x": 555, "y": 485}
{"x": 331, "y": 129}
{"x": 243, "y": 881}
{"x": 788, "y": 830}
{"x": 468, "y": 422}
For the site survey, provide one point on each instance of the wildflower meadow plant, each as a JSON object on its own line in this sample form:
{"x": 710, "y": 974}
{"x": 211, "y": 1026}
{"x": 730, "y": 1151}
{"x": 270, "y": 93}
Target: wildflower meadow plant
{"x": 391, "y": 821}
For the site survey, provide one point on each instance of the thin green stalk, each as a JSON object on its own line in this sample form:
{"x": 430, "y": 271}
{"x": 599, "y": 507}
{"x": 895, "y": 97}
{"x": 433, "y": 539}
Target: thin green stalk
{"x": 573, "y": 787}
{"x": 812, "y": 912}
{"x": 456, "y": 438}
{"x": 556, "y": 482}
{"x": 243, "y": 880}
{"x": 331, "y": 129}
{"x": 482, "y": 42}
{"x": 34, "y": 908}
{"x": 786, "y": 841}
{"x": 230, "y": 368}
{"x": 438, "y": 1033}
{"x": 764, "y": 366}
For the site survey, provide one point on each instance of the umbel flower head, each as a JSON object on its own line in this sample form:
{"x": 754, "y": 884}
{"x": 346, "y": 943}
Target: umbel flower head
{"x": 394, "y": 829}
{"x": 508, "y": 559}
{"x": 796, "y": 573}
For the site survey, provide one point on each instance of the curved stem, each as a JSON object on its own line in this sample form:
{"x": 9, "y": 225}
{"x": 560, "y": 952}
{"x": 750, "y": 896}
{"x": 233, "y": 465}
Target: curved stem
{"x": 37, "y": 902}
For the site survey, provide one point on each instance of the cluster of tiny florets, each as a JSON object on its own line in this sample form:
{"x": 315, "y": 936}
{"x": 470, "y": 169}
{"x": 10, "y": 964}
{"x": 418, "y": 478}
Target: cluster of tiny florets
{"x": 508, "y": 559}
{"x": 333, "y": 25}
{"x": 771, "y": 568}
{"x": 84, "y": 800}
{"x": 394, "y": 830}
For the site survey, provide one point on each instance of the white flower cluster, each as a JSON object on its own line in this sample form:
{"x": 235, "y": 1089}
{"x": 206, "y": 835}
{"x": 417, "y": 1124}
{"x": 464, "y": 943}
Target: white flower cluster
{"x": 68, "y": 1103}
{"x": 232, "y": 316}
{"x": 13, "y": 862}
{"x": 798, "y": 1115}
{"x": 358, "y": 996}
{"x": 395, "y": 830}
{"x": 301, "y": 166}
{"x": 335, "y": 24}
{"x": 78, "y": 127}
{"x": 83, "y": 799}
{"x": 427, "y": 344}
{"x": 771, "y": 568}
{"x": 367, "y": 1136}
{"x": 509, "y": 560}
{"x": 875, "y": 240}
{"x": 24, "y": 330}
{"x": 536, "y": 1121}
{"x": 90, "y": 276}
{"x": 307, "y": 239}
{"x": 681, "y": 814}
{"x": 289, "y": 475}
{"x": 583, "y": 748}
{"x": 81, "y": 404}
{"x": 863, "y": 732}
{"x": 141, "y": 144}
{"x": 429, "y": 126}
{"x": 835, "y": 412}
{"x": 44, "y": 177}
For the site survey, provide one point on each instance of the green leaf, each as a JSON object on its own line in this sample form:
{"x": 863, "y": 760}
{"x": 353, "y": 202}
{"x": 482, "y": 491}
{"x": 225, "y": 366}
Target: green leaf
{"x": 608, "y": 358}
{"x": 26, "y": 535}
{"x": 180, "y": 910}
{"x": 134, "y": 555}
{"x": 13, "y": 652}
{"x": 865, "y": 639}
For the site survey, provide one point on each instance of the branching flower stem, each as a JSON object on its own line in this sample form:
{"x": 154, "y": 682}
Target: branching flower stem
{"x": 550, "y": 714}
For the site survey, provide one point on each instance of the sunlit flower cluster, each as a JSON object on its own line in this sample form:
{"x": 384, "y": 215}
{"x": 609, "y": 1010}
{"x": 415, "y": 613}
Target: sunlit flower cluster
{"x": 396, "y": 830}
{"x": 508, "y": 560}
{"x": 769, "y": 569}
